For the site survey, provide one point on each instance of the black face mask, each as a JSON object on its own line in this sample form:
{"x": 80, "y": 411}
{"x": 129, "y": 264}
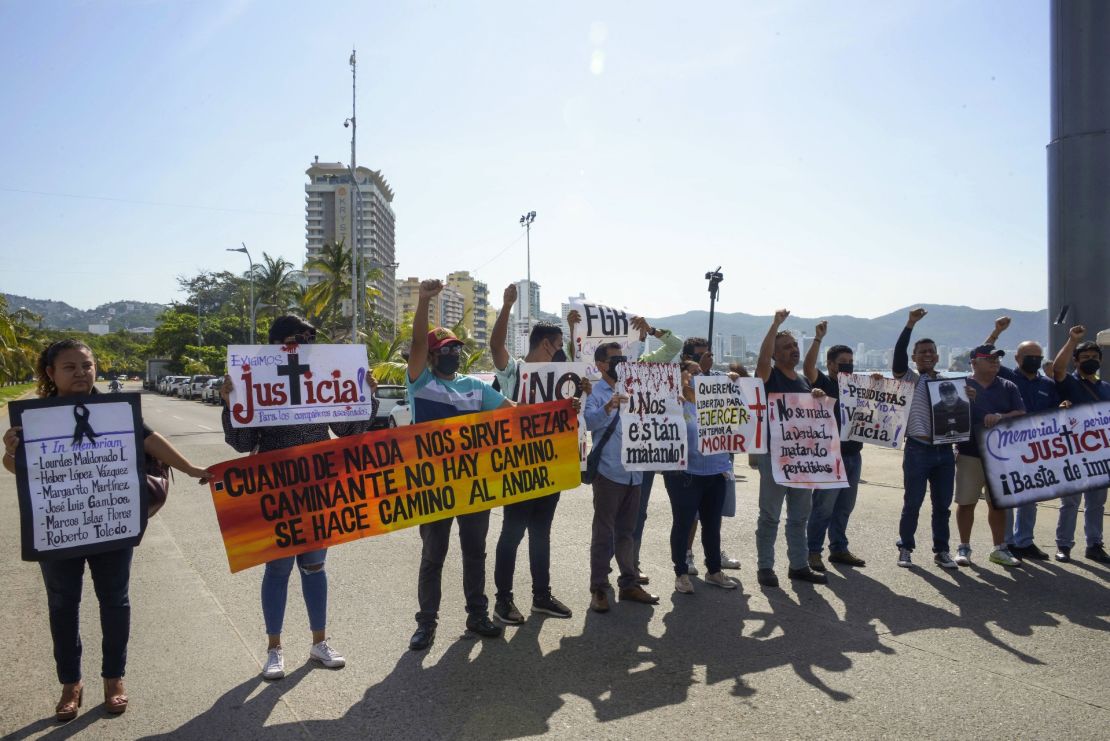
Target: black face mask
{"x": 1031, "y": 363}
{"x": 1090, "y": 366}
{"x": 448, "y": 364}
{"x": 614, "y": 362}
{"x": 845, "y": 367}
{"x": 559, "y": 356}
{"x": 696, "y": 356}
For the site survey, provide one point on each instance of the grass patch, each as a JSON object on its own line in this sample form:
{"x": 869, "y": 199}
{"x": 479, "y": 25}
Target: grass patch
{"x": 7, "y": 393}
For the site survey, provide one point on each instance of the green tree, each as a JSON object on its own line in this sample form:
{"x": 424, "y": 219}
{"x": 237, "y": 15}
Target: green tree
{"x": 275, "y": 286}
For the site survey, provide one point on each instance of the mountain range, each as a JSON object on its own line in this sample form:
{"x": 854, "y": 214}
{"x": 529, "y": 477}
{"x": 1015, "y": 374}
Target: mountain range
{"x": 117, "y": 314}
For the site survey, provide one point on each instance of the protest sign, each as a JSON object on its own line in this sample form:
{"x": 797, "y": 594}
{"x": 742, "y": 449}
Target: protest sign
{"x": 1046, "y": 455}
{"x": 731, "y": 415}
{"x": 951, "y": 410}
{"x": 300, "y": 499}
{"x": 874, "y": 410}
{"x": 653, "y": 427}
{"x": 540, "y": 382}
{"x": 601, "y": 324}
{"x": 297, "y": 384}
{"x": 805, "y": 444}
{"x": 79, "y": 475}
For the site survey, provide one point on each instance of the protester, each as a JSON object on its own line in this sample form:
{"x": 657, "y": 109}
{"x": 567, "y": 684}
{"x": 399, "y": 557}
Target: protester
{"x": 292, "y": 330}
{"x": 616, "y": 491}
{"x": 778, "y": 359}
{"x": 698, "y": 493}
{"x": 993, "y": 400}
{"x": 833, "y": 507}
{"x": 923, "y": 463}
{"x": 437, "y": 391}
{"x": 1039, "y": 393}
{"x": 67, "y": 368}
{"x": 1082, "y": 386}
{"x": 534, "y": 516}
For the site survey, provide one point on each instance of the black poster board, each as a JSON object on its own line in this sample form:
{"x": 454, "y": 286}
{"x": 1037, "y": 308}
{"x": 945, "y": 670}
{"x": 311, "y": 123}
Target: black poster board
{"x": 80, "y": 474}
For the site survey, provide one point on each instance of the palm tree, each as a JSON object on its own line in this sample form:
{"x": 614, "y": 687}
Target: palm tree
{"x": 19, "y": 348}
{"x": 325, "y": 299}
{"x": 275, "y": 286}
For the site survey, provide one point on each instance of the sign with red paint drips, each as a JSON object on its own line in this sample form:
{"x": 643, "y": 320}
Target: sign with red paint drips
{"x": 805, "y": 444}
{"x": 653, "y": 426}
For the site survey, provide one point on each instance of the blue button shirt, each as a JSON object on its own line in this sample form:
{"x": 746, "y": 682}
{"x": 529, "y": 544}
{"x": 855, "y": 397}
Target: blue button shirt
{"x": 1038, "y": 393}
{"x": 597, "y": 419}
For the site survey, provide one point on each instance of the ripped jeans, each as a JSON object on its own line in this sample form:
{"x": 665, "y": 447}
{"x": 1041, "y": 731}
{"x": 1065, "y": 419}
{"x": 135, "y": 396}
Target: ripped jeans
{"x": 314, "y": 586}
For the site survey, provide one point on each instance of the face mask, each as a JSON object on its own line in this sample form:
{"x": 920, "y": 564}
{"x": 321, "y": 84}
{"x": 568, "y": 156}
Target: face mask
{"x": 559, "y": 356}
{"x": 1031, "y": 363}
{"x": 845, "y": 367}
{"x": 696, "y": 357}
{"x": 447, "y": 364}
{"x": 1090, "y": 366}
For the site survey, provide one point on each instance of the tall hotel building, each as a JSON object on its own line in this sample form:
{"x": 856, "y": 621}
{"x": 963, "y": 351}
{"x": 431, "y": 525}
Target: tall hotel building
{"x": 332, "y": 200}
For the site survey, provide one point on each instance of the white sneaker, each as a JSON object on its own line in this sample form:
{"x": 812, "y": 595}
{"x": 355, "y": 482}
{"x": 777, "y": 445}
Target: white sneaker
{"x": 718, "y": 579}
{"x": 691, "y": 569}
{"x": 729, "y": 563}
{"x": 682, "y": 584}
{"x": 275, "y": 664}
{"x": 326, "y": 655}
{"x": 963, "y": 555}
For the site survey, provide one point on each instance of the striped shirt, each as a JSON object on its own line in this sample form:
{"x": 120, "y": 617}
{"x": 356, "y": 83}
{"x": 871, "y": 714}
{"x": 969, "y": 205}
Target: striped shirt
{"x": 920, "y": 422}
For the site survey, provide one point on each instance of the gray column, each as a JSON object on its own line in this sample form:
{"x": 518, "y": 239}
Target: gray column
{"x": 1079, "y": 168}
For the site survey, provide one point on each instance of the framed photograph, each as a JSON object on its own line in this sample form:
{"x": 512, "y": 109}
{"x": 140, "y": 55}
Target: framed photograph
{"x": 951, "y": 410}
{"x": 80, "y": 475}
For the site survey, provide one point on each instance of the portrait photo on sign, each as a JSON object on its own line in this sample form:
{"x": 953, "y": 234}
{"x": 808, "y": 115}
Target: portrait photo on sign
{"x": 951, "y": 410}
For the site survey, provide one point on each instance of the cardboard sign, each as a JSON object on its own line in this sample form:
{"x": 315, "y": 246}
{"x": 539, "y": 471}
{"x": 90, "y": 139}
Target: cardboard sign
{"x": 1047, "y": 455}
{"x": 653, "y": 426}
{"x": 80, "y": 475}
{"x": 316, "y": 496}
{"x": 805, "y": 444}
{"x": 731, "y": 415}
{"x": 874, "y": 410}
{"x": 601, "y": 324}
{"x": 950, "y": 409}
{"x": 540, "y": 382}
{"x": 298, "y": 384}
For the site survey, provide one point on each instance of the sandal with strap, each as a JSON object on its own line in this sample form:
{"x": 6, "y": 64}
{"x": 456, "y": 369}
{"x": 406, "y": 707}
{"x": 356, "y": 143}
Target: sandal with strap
{"x": 67, "y": 709}
{"x": 115, "y": 700}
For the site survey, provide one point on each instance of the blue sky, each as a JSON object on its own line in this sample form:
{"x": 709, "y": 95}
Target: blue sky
{"x": 834, "y": 158}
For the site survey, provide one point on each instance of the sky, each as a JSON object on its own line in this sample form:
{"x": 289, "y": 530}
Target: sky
{"x": 833, "y": 158}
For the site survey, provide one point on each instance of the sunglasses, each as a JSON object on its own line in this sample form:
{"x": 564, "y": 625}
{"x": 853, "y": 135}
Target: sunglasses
{"x": 449, "y": 350}
{"x": 304, "y": 338}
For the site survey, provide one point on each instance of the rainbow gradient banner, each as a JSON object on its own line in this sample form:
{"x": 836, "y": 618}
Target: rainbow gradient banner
{"x": 295, "y": 500}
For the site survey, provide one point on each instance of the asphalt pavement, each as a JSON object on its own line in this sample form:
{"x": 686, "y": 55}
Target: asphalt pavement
{"x": 880, "y": 652}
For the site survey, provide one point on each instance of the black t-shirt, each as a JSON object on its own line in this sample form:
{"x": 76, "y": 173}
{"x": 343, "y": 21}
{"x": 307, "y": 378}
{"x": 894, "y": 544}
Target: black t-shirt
{"x": 832, "y": 388}
{"x": 779, "y": 383}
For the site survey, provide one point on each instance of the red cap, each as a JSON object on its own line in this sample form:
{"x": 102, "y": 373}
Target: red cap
{"x": 441, "y": 336}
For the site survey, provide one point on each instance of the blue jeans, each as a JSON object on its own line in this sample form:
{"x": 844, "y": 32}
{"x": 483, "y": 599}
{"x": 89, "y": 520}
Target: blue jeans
{"x": 1095, "y": 501}
{"x": 1019, "y": 525}
{"x": 832, "y": 508}
{"x": 934, "y": 465}
{"x": 695, "y": 498}
{"x": 111, "y": 575}
{"x": 645, "y": 495}
{"x": 533, "y": 516}
{"x": 314, "y": 586}
{"x": 799, "y": 502}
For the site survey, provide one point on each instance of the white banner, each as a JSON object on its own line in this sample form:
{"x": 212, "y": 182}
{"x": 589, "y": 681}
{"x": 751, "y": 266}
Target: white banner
{"x": 805, "y": 444}
{"x": 732, "y": 415}
{"x": 653, "y": 427}
{"x": 1046, "y": 455}
{"x": 602, "y": 324}
{"x": 298, "y": 384}
{"x": 950, "y": 409}
{"x": 540, "y": 382}
{"x": 874, "y": 410}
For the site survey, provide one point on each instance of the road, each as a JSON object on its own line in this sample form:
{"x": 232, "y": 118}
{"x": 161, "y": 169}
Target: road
{"x": 879, "y": 652}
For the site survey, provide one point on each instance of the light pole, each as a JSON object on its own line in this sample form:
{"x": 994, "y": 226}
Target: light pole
{"x": 355, "y": 292}
{"x": 243, "y": 249}
{"x": 526, "y": 222}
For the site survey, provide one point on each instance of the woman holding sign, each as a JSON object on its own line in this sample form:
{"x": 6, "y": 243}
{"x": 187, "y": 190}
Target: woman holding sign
{"x": 292, "y": 330}
{"x": 68, "y": 368}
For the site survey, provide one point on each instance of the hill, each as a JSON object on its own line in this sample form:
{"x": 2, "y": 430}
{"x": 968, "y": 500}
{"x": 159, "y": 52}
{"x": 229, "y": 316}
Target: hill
{"x": 117, "y": 314}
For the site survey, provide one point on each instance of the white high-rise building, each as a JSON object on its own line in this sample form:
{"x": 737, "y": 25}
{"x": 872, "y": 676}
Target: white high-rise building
{"x": 332, "y": 201}
{"x": 525, "y": 315}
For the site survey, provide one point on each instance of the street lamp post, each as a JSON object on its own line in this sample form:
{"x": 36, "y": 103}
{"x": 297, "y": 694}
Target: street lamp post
{"x": 243, "y": 249}
{"x": 526, "y": 222}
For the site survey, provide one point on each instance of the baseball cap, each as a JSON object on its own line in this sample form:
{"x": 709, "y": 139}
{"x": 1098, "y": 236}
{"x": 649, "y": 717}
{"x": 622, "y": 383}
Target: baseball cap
{"x": 987, "y": 351}
{"x": 441, "y": 336}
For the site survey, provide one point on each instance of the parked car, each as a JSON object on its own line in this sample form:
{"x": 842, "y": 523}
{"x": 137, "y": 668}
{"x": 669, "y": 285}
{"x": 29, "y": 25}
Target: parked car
{"x": 212, "y": 390}
{"x": 400, "y": 414}
{"x": 196, "y": 386}
{"x": 166, "y": 384}
{"x": 389, "y": 396}
{"x": 180, "y": 386}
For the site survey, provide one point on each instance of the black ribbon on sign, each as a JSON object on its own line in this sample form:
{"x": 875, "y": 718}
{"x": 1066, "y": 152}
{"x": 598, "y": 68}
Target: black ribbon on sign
{"x": 83, "y": 428}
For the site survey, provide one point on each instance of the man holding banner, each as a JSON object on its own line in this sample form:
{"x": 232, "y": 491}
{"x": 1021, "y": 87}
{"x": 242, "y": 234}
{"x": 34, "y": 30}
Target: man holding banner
{"x": 534, "y": 516}
{"x": 1083, "y": 386}
{"x": 437, "y": 391}
{"x": 833, "y": 507}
